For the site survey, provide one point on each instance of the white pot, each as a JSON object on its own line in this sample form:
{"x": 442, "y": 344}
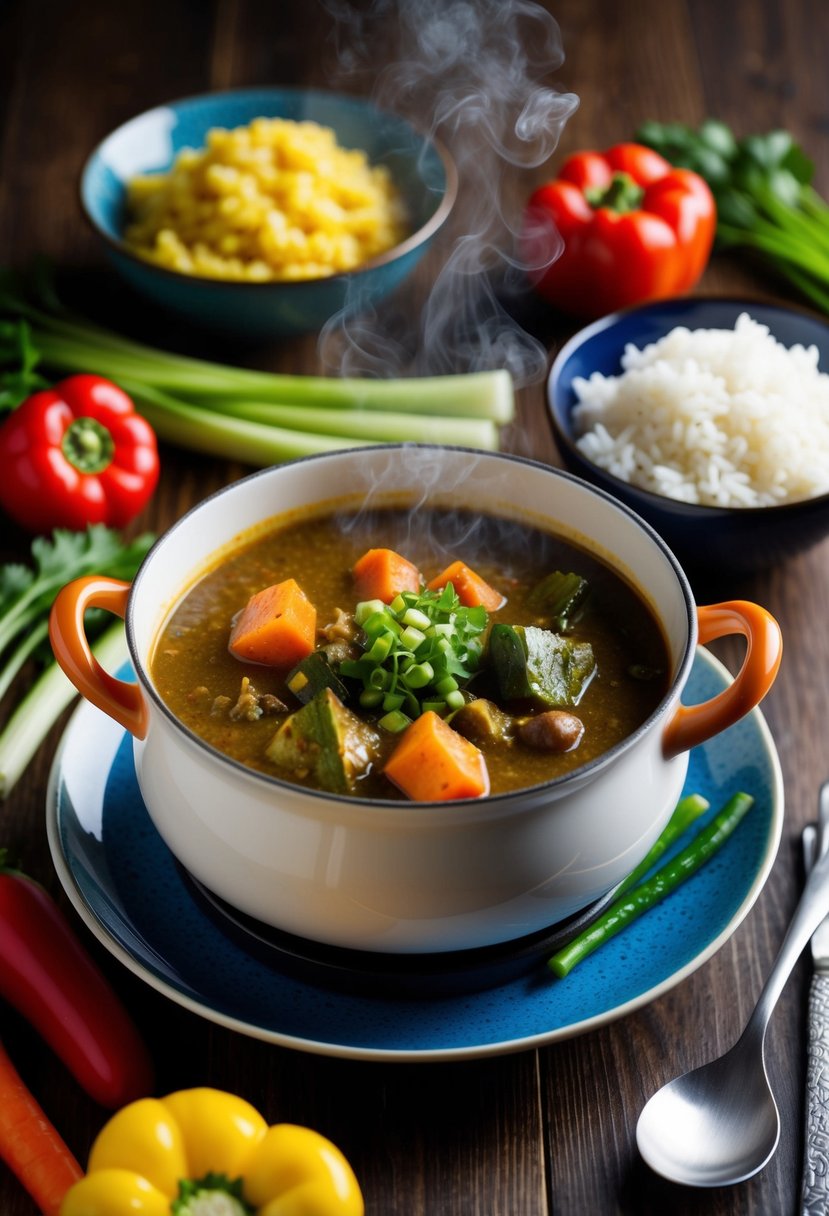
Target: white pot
{"x": 397, "y": 876}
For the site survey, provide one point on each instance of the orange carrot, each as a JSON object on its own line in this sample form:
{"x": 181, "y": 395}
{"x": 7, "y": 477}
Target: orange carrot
{"x": 470, "y": 588}
{"x": 29, "y": 1144}
{"x": 381, "y": 574}
{"x": 277, "y": 626}
{"x": 433, "y": 763}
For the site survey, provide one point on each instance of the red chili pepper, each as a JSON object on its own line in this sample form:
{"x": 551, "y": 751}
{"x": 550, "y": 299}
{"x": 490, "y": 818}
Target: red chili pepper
{"x": 634, "y": 228}
{"x": 76, "y": 454}
{"x": 46, "y": 975}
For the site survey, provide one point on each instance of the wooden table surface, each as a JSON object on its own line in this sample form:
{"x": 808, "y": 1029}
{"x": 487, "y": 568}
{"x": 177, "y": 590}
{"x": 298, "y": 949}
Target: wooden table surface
{"x": 542, "y": 1131}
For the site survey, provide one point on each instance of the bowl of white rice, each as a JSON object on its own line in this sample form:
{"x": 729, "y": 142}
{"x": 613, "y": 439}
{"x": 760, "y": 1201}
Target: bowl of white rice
{"x": 707, "y": 416}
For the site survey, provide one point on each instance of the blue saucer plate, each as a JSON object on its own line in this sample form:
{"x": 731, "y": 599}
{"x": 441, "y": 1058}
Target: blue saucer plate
{"x": 127, "y": 888}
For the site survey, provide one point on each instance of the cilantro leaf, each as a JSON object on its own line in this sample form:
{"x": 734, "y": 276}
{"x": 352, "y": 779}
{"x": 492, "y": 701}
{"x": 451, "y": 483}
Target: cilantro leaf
{"x": 26, "y": 596}
{"x": 18, "y": 350}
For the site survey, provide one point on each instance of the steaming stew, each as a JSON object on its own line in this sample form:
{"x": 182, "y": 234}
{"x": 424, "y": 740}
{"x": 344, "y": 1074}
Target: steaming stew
{"x": 542, "y": 685}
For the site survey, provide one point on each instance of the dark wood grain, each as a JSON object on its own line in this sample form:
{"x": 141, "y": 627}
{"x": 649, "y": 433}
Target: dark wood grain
{"x": 540, "y": 1132}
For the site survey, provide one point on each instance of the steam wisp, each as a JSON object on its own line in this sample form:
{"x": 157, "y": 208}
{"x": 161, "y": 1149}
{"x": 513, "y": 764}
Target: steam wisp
{"x": 473, "y": 74}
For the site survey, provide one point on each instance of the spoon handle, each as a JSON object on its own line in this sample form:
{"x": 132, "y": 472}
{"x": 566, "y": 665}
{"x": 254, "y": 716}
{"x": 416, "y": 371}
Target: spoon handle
{"x": 813, "y": 906}
{"x": 814, "y": 1198}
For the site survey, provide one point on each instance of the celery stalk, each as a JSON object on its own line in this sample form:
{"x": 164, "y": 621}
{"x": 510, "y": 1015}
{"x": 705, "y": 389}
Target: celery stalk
{"x": 43, "y": 704}
{"x": 473, "y": 394}
{"x": 234, "y": 438}
{"x": 75, "y": 345}
{"x": 279, "y": 423}
{"x": 34, "y": 638}
{"x": 259, "y": 417}
{"x": 365, "y": 425}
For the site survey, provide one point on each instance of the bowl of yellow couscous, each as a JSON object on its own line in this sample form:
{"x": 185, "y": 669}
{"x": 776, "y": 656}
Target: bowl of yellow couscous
{"x": 264, "y": 212}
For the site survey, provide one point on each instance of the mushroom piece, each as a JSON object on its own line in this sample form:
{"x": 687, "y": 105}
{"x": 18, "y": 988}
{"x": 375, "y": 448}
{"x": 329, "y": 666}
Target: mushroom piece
{"x": 555, "y": 730}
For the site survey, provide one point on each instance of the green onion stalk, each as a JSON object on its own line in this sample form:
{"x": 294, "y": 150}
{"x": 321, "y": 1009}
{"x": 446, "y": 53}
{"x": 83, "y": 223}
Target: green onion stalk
{"x": 636, "y": 897}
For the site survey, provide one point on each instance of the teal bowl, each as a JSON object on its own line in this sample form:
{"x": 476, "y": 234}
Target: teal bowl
{"x": 421, "y": 168}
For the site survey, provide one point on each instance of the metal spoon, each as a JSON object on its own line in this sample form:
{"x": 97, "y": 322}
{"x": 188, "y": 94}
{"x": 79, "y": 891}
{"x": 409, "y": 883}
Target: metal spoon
{"x": 719, "y": 1124}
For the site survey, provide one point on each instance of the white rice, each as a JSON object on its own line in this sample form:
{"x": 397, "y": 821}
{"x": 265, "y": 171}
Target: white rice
{"x": 720, "y": 417}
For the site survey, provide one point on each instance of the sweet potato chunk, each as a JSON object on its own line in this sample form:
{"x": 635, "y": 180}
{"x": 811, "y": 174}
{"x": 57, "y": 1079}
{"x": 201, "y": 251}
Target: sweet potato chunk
{"x": 470, "y": 588}
{"x": 381, "y": 574}
{"x": 277, "y": 626}
{"x": 433, "y": 763}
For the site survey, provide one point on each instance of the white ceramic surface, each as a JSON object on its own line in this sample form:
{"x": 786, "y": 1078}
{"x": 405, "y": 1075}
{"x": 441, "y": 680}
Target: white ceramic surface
{"x": 123, "y": 883}
{"x": 390, "y": 875}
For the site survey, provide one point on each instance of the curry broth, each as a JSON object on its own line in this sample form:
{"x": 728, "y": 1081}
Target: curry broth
{"x": 199, "y": 679}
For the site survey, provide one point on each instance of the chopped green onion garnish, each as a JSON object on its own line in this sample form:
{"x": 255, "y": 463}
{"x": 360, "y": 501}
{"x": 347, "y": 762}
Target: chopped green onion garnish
{"x": 417, "y": 652}
{"x": 380, "y": 648}
{"x": 370, "y": 698}
{"x": 446, "y": 685}
{"x": 355, "y": 669}
{"x": 394, "y": 722}
{"x": 413, "y": 616}
{"x": 418, "y": 675}
{"x": 367, "y": 608}
{"x": 411, "y": 637}
{"x": 377, "y": 623}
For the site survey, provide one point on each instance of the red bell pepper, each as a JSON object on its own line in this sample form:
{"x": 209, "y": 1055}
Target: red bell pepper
{"x": 46, "y": 975}
{"x": 76, "y": 454}
{"x": 633, "y": 228}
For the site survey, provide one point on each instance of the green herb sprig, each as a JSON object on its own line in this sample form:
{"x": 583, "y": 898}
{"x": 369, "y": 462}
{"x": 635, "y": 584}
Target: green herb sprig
{"x": 766, "y": 203}
{"x": 418, "y": 652}
{"x": 26, "y": 596}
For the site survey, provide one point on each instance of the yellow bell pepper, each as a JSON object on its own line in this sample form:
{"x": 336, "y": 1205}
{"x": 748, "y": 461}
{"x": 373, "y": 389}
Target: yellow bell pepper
{"x": 203, "y": 1152}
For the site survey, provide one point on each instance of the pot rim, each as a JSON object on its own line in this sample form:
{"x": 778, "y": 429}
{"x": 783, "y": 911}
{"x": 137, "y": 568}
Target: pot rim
{"x": 556, "y": 786}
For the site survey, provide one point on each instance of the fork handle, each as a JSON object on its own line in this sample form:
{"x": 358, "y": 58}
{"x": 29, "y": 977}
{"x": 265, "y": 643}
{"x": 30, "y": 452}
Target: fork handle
{"x": 814, "y": 1195}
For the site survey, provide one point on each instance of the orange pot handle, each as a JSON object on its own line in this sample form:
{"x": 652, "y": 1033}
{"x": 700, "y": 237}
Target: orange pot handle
{"x": 122, "y": 701}
{"x": 693, "y": 724}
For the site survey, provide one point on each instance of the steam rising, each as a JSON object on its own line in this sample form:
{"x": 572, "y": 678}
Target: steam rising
{"x": 424, "y": 500}
{"x": 472, "y": 73}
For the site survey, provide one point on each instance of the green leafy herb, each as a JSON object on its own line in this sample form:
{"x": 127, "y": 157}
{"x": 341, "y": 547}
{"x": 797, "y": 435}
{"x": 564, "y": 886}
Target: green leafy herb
{"x": 19, "y": 353}
{"x": 765, "y": 200}
{"x": 26, "y": 597}
{"x": 418, "y": 652}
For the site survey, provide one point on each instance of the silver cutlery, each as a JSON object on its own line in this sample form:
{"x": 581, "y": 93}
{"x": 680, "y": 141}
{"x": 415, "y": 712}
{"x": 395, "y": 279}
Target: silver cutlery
{"x": 719, "y": 1124}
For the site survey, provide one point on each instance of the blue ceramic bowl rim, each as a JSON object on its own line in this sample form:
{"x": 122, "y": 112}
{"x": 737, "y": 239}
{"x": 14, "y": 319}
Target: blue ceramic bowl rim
{"x": 415, "y": 239}
{"x": 650, "y": 499}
